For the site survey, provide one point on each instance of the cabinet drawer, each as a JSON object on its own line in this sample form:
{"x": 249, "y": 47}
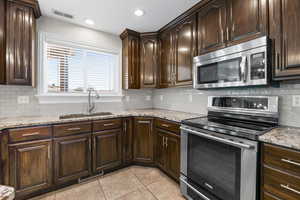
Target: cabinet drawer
{"x": 285, "y": 159}
{"x": 72, "y": 128}
{"x": 27, "y": 134}
{"x": 167, "y": 125}
{"x": 280, "y": 184}
{"x": 106, "y": 124}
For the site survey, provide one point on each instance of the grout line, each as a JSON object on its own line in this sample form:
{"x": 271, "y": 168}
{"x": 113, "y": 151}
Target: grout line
{"x": 101, "y": 188}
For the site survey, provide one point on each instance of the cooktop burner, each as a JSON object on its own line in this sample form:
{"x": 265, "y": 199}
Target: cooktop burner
{"x": 233, "y": 127}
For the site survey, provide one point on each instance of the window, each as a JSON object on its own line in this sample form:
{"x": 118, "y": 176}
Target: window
{"x": 74, "y": 70}
{"x": 68, "y": 69}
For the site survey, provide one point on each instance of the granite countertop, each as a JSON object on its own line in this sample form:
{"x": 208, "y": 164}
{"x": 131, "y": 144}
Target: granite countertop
{"x": 284, "y": 136}
{"x": 39, "y": 120}
{"x": 7, "y": 193}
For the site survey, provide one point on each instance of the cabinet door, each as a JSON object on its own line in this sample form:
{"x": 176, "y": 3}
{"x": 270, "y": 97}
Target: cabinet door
{"x": 72, "y": 157}
{"x": 247, "y": 19}
{"x": 30, "y": 166}
{"x": 148, "y": 61}
{"x": 185, "y": 50}
{"x": 134, "y": 62}
{"x": 2, "y": 41}
{"x": 107, "y": 151}
{"x": 20, "y": 44}
{"x": 160, "y": 148}
{"x": 285, "y": 31}
{"x": 173, "y": 155}
{"x": 127, "y": 140}
{"x": 143, "y": 140}
{"x": 212, "y": 27}
{"x": 166, "y": 59}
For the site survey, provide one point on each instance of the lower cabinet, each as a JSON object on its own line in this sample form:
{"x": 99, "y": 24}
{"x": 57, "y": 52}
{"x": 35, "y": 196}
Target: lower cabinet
{"x": 30, "y": 166}
{"x": 143, "y": 140}
{"x": 72, "y": 157}
{"x": 107, "y": 150}
{"x": 168, "y": 152}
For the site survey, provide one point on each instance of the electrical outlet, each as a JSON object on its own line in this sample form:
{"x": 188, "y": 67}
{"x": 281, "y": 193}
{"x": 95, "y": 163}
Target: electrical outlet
{"x": 296, "y": 101}
{"x": 161, "y": 97}
{"x": 23, "y": 99}
{"x": 127, "y": 98}
{"x": 190, "y": 98}
{"x": 148, "y": 98}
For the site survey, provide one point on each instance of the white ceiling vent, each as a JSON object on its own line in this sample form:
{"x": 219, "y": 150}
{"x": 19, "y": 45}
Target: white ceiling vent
{"x": 62, "y": 14}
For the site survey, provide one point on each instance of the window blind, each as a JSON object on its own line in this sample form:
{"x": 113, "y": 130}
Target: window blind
{"x": 74, "y": 70}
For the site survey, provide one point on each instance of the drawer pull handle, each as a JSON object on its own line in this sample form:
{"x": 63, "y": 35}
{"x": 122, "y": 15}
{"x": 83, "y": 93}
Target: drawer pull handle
{"x": 73, "y": 129}
{"x": 31, "y": 134}
{"x": 290, "y": 162}
{"x": 287, "y": 187}
{"x": 111, "y": 124}
{"x": 165, "y": 125}
{"x": 144, "y": 122}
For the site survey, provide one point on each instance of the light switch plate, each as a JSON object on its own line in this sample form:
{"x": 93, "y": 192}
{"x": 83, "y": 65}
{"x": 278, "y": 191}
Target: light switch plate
{"x": 296, "y": 101}
{"x": 148, "y": 98}
{"x": 161, "y": 97}
{"x": 190, "y": 98}
{"x": 23, "y": 99}
{"x": 127, "y": 98}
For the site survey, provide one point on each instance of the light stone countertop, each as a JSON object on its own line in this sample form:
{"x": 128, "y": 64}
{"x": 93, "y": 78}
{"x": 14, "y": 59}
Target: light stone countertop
{"x": 40, "y": 120}
{"x": 6, "y": 193}
{"x": 283, "y": 136}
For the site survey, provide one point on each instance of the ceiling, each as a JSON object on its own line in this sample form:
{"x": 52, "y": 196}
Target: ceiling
{"x": 114, "y": 16}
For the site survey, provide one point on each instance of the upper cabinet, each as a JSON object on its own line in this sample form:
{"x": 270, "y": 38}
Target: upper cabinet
{"x": 149, "y": 60}
{"x": 185, "y": 50}
{"x": 247, "y": 20}
{"x": 284, "y": 32}
{"x": 130, "y": 59}
{"x": 18, "y": 37}
{"x": 212, "y": 27}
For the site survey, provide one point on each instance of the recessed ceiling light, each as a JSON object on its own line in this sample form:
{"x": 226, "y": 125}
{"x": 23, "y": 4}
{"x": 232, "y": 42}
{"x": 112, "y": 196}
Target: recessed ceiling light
{"x": 139, "y": 12}
{"x": 89, "y": 22}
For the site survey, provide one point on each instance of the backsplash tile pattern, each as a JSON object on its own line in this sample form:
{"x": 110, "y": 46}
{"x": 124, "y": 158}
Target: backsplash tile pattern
{"x": 180, "y": 99}
{"x": 9, "y": 106}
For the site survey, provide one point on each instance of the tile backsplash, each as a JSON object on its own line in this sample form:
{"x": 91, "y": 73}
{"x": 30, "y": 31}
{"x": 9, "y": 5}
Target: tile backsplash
{"x": 9, "y": 106}
{"x": 195, "y": 101}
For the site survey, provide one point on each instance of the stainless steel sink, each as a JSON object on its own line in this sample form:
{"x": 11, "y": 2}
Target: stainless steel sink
{"x": 71, "y": 116}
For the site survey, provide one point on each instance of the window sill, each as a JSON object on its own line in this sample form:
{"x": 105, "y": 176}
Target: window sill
{"x": 76, "y": 98}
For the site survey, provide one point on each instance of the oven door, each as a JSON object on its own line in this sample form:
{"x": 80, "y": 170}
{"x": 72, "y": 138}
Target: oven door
{"x": 215, "y": 166}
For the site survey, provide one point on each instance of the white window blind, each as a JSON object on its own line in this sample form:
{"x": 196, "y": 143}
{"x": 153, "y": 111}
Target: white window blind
{"x": 74, "y": 70}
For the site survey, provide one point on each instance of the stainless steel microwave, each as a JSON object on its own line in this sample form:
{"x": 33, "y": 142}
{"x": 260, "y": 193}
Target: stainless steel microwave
{"x": 245, "y": 64}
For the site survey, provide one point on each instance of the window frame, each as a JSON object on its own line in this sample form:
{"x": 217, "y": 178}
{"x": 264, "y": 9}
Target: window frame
{"x": 42, "y": 82}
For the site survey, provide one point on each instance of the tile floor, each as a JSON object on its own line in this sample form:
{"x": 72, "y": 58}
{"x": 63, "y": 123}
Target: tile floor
{"x": 132, "y": 183}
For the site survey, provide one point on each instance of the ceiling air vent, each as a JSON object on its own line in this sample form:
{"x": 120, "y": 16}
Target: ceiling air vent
{"x": 62, "y": 14}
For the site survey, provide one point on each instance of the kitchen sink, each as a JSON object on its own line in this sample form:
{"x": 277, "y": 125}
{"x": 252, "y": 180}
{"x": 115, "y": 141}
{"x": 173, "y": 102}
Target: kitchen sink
{"x": 71, "y": 116}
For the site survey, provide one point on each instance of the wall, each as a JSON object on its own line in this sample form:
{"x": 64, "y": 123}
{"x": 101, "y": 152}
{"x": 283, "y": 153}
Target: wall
{"x": 9, "y": 106}
{"x": 195, "y": 101}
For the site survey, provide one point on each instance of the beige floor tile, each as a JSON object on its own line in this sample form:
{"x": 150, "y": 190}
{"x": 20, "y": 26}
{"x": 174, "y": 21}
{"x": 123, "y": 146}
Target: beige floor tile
{"x": 166, "y": 189}
{"x": 140, "y": 194}
{"x": 119, "y": 184}
{"x": 50, "y": 196}
{"x": 149, "y": 176}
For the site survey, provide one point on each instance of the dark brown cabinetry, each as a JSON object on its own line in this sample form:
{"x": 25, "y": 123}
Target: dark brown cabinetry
{"x": 280, "y": 173}
{"x": 143, "y": 140}
{"x": 168, "y": 152}
{"x": 130, "y": 59}
{"x": 284, "y": 32}
{"x": 212, "y": 21}
{"x": 30, "y": 166}
{"x": 167, "y": 147}
{"x": 19, "y": 36}
{"x": 107, "y": 149}
{"x": 149, "y": 60}
{"x": 247, "y": 19}
{"x": 72, "y": 157}
{"x": 127, "y": 140}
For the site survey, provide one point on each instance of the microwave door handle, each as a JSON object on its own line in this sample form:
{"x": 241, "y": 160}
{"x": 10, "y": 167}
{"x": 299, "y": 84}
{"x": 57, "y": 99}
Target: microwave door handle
{"x": 243, "y": 67}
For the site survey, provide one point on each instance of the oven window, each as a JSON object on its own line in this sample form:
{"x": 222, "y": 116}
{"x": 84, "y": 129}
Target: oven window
{"x": 214, "y": 166}
{"x": 221, "y": 72}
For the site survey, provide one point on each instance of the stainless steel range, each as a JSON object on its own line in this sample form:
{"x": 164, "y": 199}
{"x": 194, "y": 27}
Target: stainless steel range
{"x": 219, "y": 152}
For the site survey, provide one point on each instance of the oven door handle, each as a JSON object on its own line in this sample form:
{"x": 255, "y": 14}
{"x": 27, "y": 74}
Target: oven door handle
{"x": 237, "y": 144}
{"x": 194, "y": 189}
